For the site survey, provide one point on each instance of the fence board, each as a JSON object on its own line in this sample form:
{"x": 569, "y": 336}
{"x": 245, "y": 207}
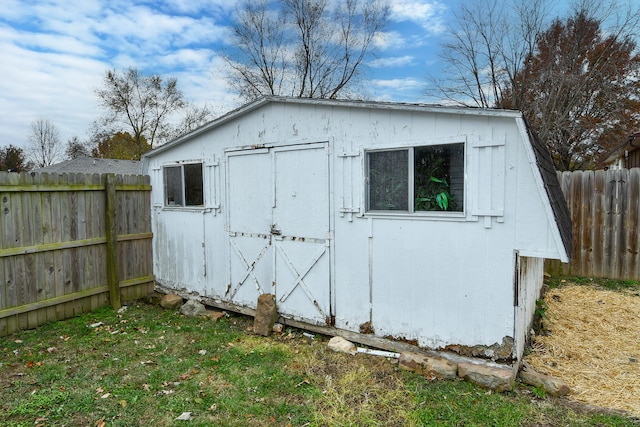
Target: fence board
{"x": 605, "y": 211}
{"x": 53, "y": 245}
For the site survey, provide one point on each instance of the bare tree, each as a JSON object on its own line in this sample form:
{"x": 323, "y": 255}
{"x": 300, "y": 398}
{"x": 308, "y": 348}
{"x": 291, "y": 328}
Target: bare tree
{"x": 44, "y": 143}
{"x": 259, "y": 61}
{"x": 194, "y": 117}
{"x": 137, "y": 104}
{"x": 490, "y": 40}
{"x": 302, "y": 48}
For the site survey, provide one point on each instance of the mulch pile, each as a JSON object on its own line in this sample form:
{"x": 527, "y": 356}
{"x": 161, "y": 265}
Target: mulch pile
{"x": 593, "y": 345}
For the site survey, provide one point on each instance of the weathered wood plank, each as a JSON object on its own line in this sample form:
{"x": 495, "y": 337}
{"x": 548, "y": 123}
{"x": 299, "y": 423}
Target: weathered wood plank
{"x": 48, "y": 258}
{"x": 598, "y": 201}
{"x": 48, "y": 247}
{"x": 53, "y": 301}
{"x": 586, "y": 236}
{"x": 619, "y": 198}
{"x": 633, "y": 225}
{"x": 576, "y": 218}
{"x": 113, "y": 273}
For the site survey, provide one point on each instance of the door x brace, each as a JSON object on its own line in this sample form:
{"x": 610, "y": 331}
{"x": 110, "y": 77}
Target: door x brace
{"x": 248, "y": 267}
{"x": 301, "y": 275}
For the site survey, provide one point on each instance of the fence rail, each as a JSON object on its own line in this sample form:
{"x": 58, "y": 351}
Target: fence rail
{"x": 605, "y": 211}
{"x": 71, "y": 243}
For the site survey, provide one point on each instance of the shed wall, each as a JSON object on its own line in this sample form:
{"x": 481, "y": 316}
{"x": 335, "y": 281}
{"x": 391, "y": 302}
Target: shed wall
{"x": 436, "y": 279}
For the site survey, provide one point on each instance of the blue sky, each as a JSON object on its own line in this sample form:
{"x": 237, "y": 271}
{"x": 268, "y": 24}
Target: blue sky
{"x": 55, "y": 54}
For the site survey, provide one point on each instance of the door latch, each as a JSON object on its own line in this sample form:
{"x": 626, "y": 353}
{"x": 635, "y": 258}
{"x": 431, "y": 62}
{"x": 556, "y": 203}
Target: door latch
{"x": 275, "y": 230}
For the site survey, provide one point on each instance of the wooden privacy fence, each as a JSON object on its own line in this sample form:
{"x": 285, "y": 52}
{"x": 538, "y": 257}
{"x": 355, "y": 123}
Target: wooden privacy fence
{"x": 71, "y": 243}
{"x": 605, "y": 211}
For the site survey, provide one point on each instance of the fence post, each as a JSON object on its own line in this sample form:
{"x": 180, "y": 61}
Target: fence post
{"x": 113, "y": 271}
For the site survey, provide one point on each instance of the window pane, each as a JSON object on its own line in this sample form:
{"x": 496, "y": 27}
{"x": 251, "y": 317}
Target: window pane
{"x": 193, "y": 184}
{"x": 439, "y": 178}
{"x": 388, "y": 180}
{"x": 173, "y": 186}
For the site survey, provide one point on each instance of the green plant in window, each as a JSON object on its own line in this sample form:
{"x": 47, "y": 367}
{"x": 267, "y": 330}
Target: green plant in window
{"x": 433, "y": 196}
{"x": 431, "y": 192}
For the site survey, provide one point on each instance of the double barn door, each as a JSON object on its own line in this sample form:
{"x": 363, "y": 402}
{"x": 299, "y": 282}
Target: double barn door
{"x": 278, "y": 226}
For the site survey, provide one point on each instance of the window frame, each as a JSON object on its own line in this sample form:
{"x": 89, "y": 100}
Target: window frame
{"x": 183, "y": 187}
{"x": 411, "y": 212}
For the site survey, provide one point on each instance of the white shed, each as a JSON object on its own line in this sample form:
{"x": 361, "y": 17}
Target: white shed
{"x": 393, "y": 222}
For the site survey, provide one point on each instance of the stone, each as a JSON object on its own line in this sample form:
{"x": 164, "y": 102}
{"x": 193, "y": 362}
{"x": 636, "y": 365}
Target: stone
{"x": 215, "y": 315}
{"x": 171, "y": 301}
{"x": 492, "y": 377}
{"x": 432, "y": 367}
{"x": 193, "y": 308}
{"x": 495, "y": 352}
{"x": 342, "y": 345}
{"x": 366, "y": 328}
{"x": 266, "y": 315}
{"x": 153, "y": 298}
{"x": 278, "y": 328}
{"x": 551, "y": 385}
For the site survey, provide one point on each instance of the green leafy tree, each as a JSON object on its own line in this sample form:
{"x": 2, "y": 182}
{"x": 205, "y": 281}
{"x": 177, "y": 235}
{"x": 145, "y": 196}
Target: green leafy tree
{"x": 121, "y": 146}
{"x": 12, "y": 159}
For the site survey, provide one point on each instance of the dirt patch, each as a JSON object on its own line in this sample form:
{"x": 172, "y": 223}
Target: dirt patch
{"x": 593, "y": 344}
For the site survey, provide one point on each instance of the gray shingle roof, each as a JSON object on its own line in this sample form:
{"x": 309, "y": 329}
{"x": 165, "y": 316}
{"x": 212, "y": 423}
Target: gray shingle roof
{"x": 95, "y": 165}
{"x": 554, "y": 191}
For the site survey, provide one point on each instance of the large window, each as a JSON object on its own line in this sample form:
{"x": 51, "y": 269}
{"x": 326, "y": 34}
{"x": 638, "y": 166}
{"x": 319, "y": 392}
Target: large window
{"x": 427, "y": 178}
{"x": 183, "y": 185}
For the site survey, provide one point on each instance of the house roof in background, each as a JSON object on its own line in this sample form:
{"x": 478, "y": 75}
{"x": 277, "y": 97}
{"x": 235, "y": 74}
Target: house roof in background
{"x": 632, "y": 143}
{"x": 95, "y": 165}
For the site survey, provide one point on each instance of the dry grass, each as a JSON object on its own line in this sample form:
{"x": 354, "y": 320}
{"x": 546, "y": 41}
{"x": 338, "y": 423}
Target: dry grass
{"x": 593, "y": 345}
{"x": 364, "y": 388}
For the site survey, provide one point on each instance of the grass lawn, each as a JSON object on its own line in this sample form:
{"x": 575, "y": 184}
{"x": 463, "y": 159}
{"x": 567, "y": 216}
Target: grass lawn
{"x": 147, "y": 366}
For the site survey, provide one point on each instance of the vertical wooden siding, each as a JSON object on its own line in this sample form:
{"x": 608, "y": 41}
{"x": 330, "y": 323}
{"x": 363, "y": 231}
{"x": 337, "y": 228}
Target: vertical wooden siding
{"x": 54, "y": 240}
{"x": 604, "y": 208}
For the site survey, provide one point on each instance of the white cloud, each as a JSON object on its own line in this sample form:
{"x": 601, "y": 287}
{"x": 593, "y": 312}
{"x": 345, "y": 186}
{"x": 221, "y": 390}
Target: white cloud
{"x": 397, "y": 61}
{"x": 48, "y": 85}
{"x": 57, "y": 43}
{"x": 426, "y": 13}
{"x": 388, "y": 40}
{"x": 408, "y": 83}
{"x": 404, "y": 89}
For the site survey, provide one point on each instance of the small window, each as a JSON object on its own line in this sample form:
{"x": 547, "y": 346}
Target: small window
{"x": 183, "y": 185}
{"x": 427, "y": 178}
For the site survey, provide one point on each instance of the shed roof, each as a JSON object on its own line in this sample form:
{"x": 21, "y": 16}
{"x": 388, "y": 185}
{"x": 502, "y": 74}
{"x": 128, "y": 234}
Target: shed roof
{"x": 95, "y": 165}
{"x": 552, "y": 187}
